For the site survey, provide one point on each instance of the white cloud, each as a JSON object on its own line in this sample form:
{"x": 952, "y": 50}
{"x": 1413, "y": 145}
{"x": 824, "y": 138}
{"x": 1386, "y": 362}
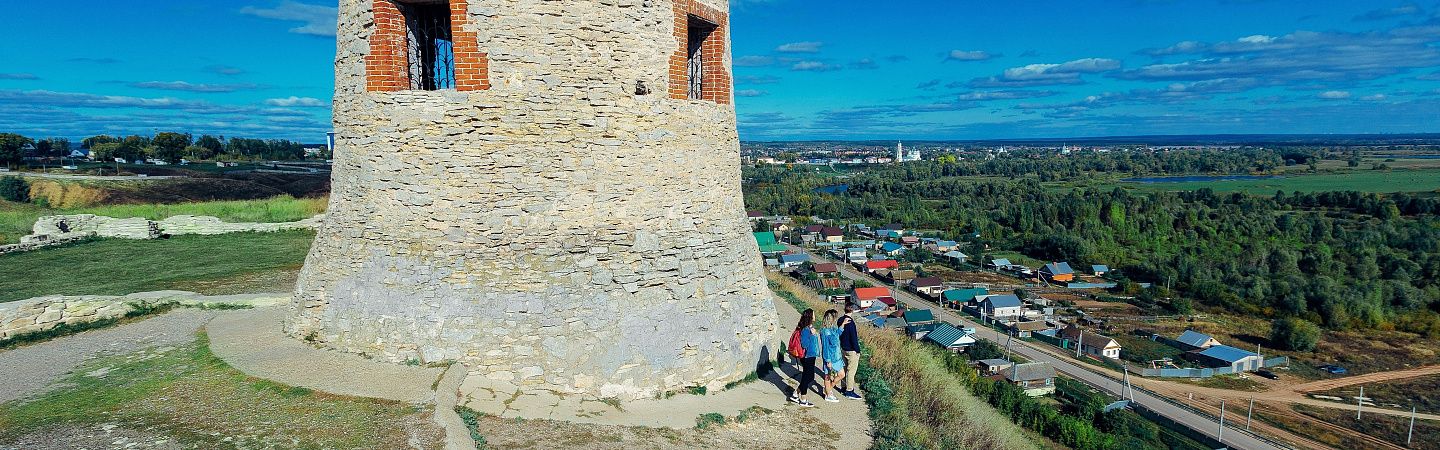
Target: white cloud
{"x": 186, "y": 86}
{"x": 1373, "y": 98}
{"x": 317, "y": 20}
{"x": 1334, "y": 95}
{"x": 800, "y": 47}
{"x": 968, "y": 55}
{"x": 813, "y": 66}
{"x": 750, "y": 93}
{"x": 18, "y": 76}
{"x": 297, "y": 101}
{"x": 754, "y": 61}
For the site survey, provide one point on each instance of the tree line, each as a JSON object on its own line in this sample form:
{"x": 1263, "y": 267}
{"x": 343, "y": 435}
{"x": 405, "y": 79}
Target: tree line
{"x": 167, "y": 146}
{"x": 1344, "y": 260}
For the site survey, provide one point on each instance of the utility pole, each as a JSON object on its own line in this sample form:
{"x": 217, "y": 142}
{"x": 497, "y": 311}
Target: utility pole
{"x": 1411, "y": 434}
{"x": 1250, "y": 413}
{"x": 1220, "y": 436}
{"x": 1126, "y": 377}
{"x": 1079, "y": 342}
{"x": 1359, "y": 401}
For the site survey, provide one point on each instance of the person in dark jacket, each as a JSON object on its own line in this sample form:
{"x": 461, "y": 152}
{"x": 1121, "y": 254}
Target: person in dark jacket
{"x": 850, "y": 350}
{"x": 810, "y": 340}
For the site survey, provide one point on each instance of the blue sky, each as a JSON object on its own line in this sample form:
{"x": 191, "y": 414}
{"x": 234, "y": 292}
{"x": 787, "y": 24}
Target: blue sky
{"x": 954, "y": 69}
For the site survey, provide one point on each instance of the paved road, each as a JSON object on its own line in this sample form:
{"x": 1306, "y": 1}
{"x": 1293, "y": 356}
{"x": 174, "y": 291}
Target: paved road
{"x": 61, "y": 176}
{"x": 1233, "y": 437}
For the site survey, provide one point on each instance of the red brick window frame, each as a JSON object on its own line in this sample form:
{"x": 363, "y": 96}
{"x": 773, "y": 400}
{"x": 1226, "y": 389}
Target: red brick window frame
{"x": 387, "y": 67}
{"x": 715, "y": 81}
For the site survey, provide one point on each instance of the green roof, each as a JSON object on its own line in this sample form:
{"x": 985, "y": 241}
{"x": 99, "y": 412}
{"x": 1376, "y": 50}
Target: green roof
{"x": 919, "y": 315}
{"x": 767, "y": 242}
{"x": 964, "y": 295}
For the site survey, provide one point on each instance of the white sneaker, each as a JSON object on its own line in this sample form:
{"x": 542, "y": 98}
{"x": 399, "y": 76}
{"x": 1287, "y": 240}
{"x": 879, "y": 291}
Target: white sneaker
{"x": 832, "y": 399}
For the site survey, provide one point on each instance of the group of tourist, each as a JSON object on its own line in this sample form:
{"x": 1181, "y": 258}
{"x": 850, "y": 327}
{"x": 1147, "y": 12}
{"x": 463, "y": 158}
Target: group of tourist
{"x": 833, "y": 351}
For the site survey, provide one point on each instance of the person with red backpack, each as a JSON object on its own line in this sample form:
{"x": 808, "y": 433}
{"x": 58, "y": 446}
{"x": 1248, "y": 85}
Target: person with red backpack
{"x": 805, "y": 347}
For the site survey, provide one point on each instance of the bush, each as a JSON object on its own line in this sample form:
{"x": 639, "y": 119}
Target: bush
{"x": 14, "y": 189}
{"x": 1294, "y": 334}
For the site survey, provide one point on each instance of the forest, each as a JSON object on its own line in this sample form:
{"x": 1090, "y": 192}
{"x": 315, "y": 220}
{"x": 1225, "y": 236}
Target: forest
{"x": 1343, "y": 260}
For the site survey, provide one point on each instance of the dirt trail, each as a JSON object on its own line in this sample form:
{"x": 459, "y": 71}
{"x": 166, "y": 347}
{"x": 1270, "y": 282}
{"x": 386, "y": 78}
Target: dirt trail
{"x": 1325, "y": 385}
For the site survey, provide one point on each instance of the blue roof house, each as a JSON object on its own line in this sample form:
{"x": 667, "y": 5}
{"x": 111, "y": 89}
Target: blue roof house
{"x": 949, "y": 337}
{"x": 891, "y": 248}
{"x": 1221, "y": 356}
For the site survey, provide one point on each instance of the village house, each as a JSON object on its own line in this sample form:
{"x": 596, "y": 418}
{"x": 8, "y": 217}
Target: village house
{"x": 1218, "y": 356}
{"x": 940, "y": 247}
{"x": 891, "y": 248}
{"x": 950, "y": 338}
{"x": 1037, "y": 379}
{"x": 956, "y": 256}
{"x": 1099, "y": 270}
{"x": 998, "y": 264}
{"x": 1027, "y": 328}
{"x": 992, "y": 366}
{"x": 918, "y": 322}
{"x": 881, "y": 264}
{"x": 1058, "y": 272}
{"x": 826, "y": 276}
{"x": 955, "y": 297}
{"x": 1001, "y": 307}
{"x": 793, "y": 260}
{"x": 769, "y": 247}
{"x": 928, "y": 286}
{"x": 866, "y": 297}
{"x": 909, "y": 241}
{"x": 1192, "y": 340}
{"x": 855, "y": 255}
{"x": 1092, "y": 343}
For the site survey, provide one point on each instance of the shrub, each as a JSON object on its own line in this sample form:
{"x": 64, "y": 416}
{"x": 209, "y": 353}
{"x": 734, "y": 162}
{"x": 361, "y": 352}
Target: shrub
{"x": 708, "y": 420}
{"x": 1294, "y": 334}
{"x": 14, "y": 189}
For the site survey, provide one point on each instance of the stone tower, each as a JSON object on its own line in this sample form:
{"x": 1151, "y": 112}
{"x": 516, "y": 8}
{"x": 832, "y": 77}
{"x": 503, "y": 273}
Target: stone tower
{"x": 546, "y": 191}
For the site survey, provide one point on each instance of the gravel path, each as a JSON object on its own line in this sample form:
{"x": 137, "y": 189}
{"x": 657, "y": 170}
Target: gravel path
{"x": 31, "y": 369}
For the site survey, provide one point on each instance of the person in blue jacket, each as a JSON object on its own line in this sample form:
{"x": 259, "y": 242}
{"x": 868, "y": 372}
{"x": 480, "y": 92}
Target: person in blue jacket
{"x": 810, "y": 341}
{"x": 832, "y": 365}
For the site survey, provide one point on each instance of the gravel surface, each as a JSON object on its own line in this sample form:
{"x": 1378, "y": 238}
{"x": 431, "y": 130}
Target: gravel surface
{"x": 30, "y": 370}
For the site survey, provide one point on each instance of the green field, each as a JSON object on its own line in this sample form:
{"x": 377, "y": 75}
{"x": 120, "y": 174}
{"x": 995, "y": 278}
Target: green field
{"x": 17, "y": 219}
{"x": 222, "y": 264}
{"x": 1381, "y": 181}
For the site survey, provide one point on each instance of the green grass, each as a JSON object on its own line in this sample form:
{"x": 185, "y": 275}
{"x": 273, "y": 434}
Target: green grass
{"x": 1363, "y": 180}
{"x": 119, "y": 266}
{"x": 188, "y": 395}
{"x": 17, "y": 219}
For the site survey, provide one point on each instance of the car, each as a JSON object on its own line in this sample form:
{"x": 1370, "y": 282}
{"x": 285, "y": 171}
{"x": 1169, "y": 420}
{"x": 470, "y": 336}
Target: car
{"x": 1333, "y": 369}
{"x": 1267, "y": 374}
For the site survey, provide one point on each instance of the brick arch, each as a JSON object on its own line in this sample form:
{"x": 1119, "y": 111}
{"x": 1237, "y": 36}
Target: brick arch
{"x": 387, "y": 65}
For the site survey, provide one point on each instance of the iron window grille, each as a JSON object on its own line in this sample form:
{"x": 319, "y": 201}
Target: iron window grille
{"x": 430, "y": 47}
{"x": 699, "y": 31}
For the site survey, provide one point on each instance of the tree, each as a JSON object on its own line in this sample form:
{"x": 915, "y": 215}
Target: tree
{"x": 11, "y": 146}
{"x": 93, "y": 141}
{"x": 215, "y": 144}
{"x": 1294, "y": 334}
{"x": 170, "y": 146}
{"x": 196, "y": 152}
{"x": 14, "y": 189}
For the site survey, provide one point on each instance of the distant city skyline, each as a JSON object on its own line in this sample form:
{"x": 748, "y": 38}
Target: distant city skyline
{"x": 918, "y": 70}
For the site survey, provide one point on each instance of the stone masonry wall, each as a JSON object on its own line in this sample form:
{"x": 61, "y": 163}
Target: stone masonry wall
{"x": 45, "y": 313}
{"x": 571, "y": 229}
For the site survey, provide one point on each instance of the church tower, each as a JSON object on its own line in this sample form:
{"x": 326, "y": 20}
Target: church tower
{"x": 545, "y": 191}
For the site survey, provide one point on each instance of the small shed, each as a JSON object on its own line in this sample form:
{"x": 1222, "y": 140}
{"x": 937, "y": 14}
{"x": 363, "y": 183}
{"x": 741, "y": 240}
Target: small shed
{"x": 994, "y": 365}
{"x": 1099, "y": 269}
{"x": 1195, "y": 340}
{"x": 1227, "y": 356}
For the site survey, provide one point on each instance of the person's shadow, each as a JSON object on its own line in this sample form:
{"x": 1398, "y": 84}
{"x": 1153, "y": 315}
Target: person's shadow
{"x": 784, "y": 373}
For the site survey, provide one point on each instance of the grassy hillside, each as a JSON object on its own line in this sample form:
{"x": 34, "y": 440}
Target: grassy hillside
{"x": 222, "y": 264}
